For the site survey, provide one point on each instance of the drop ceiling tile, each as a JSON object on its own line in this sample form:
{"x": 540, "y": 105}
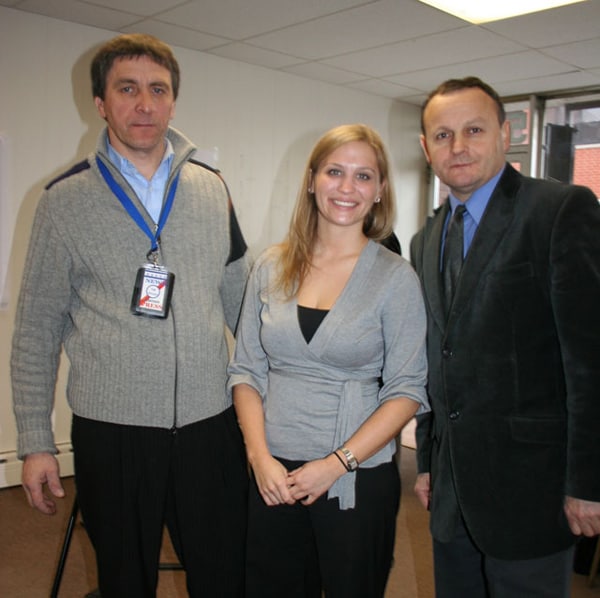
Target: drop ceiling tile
{"x": 584, "y": 54}
{"x": 144, "y": 8}
{"x": 383, "y": 88}
{"x": 523, "y": 67}
{"x": 80, "y": 12}
{"x": 239, "y": 20}
{"x": 551, "y": 27}
{"x": 253, "y": 55}
{"x": 368, "y": 26}
{"x": 322, "y": 72}
{"x": 551, "y": 83}
{"x": 176, "y": 36}
{"x": 450, "y": 47}
{"x": 427, "y": 80}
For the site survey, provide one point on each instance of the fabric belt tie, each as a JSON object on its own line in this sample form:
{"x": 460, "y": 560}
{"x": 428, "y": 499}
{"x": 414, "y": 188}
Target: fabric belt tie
{"x": 349, "y": 412}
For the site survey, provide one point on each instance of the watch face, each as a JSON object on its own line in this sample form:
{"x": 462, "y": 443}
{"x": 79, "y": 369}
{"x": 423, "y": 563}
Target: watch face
{"x": 350, "y": 458}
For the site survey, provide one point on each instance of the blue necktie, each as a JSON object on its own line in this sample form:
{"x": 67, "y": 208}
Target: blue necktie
{"x": 453, "y": 254}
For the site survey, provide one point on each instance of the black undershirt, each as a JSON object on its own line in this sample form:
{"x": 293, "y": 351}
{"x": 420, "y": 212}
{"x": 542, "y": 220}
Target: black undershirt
{"x": 310, "y": 319}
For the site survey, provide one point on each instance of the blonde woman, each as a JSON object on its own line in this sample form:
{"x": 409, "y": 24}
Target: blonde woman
{"x": 329, "y": 366}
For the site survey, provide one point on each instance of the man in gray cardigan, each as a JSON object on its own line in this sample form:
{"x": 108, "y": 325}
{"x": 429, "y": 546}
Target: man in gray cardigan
{"x": 136, "y": 265}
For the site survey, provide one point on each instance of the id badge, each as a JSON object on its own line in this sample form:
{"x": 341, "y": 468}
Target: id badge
{"x": 152, "y": 291}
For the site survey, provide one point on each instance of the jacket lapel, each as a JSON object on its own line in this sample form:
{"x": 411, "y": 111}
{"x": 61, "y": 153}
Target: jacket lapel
{"x": 432, "y": 280}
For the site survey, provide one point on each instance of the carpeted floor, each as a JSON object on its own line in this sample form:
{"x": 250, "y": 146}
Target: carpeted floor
{"x": 30, "y": 546}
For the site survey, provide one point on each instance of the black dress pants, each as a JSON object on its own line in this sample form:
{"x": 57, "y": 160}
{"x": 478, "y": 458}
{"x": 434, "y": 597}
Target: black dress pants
{"x": 463, "y": 571}
{"x": 295, "y": 550}
{"x": 132, "y": 480}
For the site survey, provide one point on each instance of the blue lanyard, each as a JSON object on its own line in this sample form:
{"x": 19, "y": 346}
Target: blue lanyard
{"x": 134, "y": 212}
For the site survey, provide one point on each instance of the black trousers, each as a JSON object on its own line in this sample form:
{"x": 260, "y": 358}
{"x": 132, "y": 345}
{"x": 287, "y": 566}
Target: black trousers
{"x": 463, "y": 571}
{"x": 295, "y": 550}
{"x": 132, "y": 480}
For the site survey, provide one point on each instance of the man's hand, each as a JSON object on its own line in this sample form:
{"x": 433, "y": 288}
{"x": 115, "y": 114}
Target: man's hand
{"x": 40, "y": 469}
{"x": 583, "y": 516}
{"x": 423, "y": 489}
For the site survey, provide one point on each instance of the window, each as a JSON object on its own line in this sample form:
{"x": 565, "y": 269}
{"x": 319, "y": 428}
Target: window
{"x": 571, "y": 148}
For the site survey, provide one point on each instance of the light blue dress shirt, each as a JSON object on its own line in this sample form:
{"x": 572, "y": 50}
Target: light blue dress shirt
{"x": 150, "y": 192}
{"x": 475, "y": 207}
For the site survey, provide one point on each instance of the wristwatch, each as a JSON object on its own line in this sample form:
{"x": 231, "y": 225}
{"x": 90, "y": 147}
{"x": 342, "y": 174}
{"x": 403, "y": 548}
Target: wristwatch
{"x": 350, "y": 458}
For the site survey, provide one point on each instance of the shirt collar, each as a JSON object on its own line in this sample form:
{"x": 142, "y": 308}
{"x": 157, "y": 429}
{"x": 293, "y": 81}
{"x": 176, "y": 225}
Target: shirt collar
{"x": 127, "y": 167}
{"x": 477, "y": 203}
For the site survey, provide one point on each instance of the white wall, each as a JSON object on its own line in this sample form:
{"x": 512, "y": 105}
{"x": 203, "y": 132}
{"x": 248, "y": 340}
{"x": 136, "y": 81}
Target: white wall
{"x": 262, "y": 122}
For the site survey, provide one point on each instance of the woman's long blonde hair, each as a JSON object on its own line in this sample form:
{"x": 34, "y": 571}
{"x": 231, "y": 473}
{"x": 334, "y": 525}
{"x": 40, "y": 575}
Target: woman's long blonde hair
{"x": 296, "y": 250}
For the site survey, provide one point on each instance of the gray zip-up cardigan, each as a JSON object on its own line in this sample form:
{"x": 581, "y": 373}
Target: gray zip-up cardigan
{"x": 83, "y": 257}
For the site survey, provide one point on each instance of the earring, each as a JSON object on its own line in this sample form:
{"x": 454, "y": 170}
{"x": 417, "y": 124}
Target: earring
{"x": 377, "y": 199}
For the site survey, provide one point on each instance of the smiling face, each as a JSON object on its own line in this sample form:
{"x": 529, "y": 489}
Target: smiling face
{"x": 138, "y": 105}
{"x": 464, "y": 141}
{"x": 346, "y": 184}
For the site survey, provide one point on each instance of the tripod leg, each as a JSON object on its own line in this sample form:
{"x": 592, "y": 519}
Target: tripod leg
{"x": 65, "y": 549}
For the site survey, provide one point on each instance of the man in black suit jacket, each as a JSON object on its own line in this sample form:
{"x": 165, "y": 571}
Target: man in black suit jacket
{"x": 509, "y": 457}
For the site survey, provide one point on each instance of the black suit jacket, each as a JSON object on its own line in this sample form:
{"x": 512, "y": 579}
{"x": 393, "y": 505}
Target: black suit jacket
{"x": 514, "y": 372}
